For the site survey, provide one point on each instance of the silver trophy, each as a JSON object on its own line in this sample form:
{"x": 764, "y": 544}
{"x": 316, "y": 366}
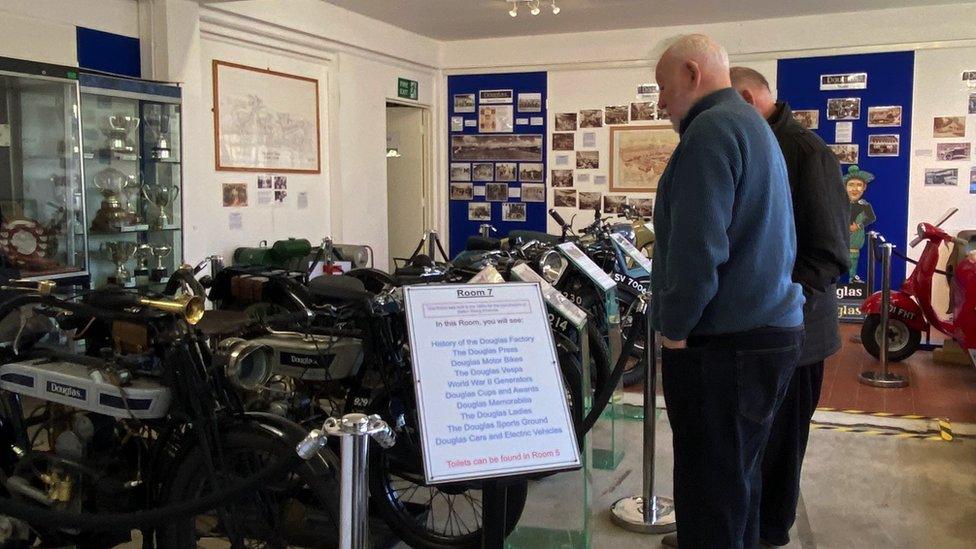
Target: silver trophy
{"x": 117, "y": 129}
{"x": 161, "y": 252}
{"x": 162, "y": 196}
{"x": 112, "y": 184}
{"x": 155, "y": 122}
{"x": 142, "y": 254}
{"x": 119, "y": 252}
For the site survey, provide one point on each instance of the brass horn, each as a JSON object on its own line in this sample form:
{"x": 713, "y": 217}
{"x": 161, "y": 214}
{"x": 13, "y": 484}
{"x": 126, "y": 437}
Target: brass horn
{"x": 191, "y": 308}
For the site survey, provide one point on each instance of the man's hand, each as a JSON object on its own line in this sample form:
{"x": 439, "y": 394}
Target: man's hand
{"x": 672, "y": 344}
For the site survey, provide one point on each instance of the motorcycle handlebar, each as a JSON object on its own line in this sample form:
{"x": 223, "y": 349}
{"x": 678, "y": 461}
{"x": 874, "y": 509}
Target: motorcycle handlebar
{"x": 557, "y": 218}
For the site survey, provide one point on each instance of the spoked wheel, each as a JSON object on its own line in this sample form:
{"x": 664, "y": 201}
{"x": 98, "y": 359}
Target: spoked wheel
{"x": 902, "y": 340}
{"x": 299, "y": 509}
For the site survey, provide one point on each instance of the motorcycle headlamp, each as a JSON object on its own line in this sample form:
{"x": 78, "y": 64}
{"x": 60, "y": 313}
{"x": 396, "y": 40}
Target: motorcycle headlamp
{"x": 551, "y": 266}
{"x": 247, "y": 365}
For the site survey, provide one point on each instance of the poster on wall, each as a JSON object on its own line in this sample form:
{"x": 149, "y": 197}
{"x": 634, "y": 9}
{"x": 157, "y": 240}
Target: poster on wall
{"x": 848, "y": 81}
{"x": 496, "y": 192}
{"x": 530, "y": 102}
{"x": 638, "y": 156}
{"x": 531, "y": 172}
{"x": 643, "y": 111}
{"x": 941, "y": 176}
{"x": 235, "y": 195}
{"x": 884, "y": 145}
{"x": 464, "y": 103}
{"x": 563, "y": 141}
{"x": 460, "y": 171}
{"x": 564, "y": 198}
{"x": 844, "y": 132}
{"x": 949, "y": 126}
{"x": 588, "y": 160}
{"x": 562, "y": 178}
{"x": 513, "y": 211}
{"x": 591, "y": 118}
{"x": 566, "y": 122}
{"x": 482, "y": 171}
{"x": 614, "y": 203}
{"x": 616, "y": 115}
{"x": 590, "y": 200}
{"x": 884, "y": 117}
{"x": 495, "y": 119}
{"x": 506, "y": 171}
{"x": 809, "y": 119}
{"x": 533, "y": 192}
{"x": 265, "y": 120}
{"x": 644, "y": 206}
{"x": 497, "y": 147}
{"x": 494, "y": 97}
{"x": 479, "y": 211}
{"x": 953, "y": 151}
{"x": 462, "y": 191}
{"x": 844, "y": 108}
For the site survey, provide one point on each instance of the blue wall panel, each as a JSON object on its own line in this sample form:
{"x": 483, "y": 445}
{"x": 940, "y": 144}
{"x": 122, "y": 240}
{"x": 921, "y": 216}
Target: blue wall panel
{"x": 108, "y": 52}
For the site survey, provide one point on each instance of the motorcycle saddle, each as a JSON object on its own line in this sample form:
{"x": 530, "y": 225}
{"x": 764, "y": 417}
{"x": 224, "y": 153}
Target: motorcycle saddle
{"x": 526, "y": 236}
{"x": 481, "y": 243}
{"x": 339, "y": 288}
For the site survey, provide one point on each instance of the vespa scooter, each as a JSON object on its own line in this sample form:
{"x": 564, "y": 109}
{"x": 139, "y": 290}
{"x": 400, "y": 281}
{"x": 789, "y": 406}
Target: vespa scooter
{"x": 911, "y": 312}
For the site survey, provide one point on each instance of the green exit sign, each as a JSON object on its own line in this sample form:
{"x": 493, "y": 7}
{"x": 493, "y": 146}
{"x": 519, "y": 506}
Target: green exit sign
{"x": 407, "y": 89}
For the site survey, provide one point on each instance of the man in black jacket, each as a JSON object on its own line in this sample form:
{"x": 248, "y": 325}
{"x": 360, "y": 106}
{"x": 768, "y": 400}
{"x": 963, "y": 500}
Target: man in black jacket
{"x": 821, "y": 211}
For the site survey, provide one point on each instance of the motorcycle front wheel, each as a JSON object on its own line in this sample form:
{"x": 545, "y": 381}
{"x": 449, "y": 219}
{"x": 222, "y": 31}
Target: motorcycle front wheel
{"x": 902, "y": 340}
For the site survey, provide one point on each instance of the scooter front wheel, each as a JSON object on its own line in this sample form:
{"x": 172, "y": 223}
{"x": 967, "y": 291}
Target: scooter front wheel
{"x": 902, "y": 340}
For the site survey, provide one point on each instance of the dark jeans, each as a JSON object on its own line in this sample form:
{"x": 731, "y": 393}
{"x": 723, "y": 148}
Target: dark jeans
{"x": 722, "y": 394}
{"x": 784, "y": 454}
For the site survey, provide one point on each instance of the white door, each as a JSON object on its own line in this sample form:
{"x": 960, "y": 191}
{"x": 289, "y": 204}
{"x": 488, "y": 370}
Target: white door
{"x": 406, "y": 164}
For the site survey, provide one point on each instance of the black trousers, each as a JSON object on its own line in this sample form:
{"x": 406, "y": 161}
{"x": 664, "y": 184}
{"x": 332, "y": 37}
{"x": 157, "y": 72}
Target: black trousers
{"x": 784, "y": 454}
{"x": 722, "y": 394}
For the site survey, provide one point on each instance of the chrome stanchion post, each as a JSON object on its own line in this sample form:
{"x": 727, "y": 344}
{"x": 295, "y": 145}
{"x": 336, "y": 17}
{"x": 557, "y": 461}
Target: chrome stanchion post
{"x": 432, "y": 244}
{"x": 646, "y": 513}
{"x": 872, "y": 243}
{"x": 884, "y": 378}
{"x": 355, "y": 430}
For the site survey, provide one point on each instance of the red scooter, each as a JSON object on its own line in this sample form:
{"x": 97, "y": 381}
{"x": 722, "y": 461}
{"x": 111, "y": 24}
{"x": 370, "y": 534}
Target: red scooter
{"x": 911, "y": 312}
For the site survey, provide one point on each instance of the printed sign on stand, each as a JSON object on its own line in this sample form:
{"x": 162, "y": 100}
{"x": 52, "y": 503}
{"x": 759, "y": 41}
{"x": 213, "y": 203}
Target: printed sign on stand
{"x": 632, "y": 252}
{"x": 490, "y": 394}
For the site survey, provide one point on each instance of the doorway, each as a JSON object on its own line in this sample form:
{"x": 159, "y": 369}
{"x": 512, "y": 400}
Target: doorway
{"x": 407, "y": 179}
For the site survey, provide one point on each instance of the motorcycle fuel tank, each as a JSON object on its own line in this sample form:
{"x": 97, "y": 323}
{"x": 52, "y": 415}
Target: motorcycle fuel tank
{"x": 314, "y": 358}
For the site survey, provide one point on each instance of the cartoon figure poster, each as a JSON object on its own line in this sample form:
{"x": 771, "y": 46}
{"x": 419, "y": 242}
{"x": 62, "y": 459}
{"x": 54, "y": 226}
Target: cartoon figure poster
{"x": 862, "y": 214}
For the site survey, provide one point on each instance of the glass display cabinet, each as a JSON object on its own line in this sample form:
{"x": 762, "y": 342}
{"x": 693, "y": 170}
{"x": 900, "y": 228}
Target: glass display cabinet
{"x": 133, "y": 180}
{"x": 42, "y": 217}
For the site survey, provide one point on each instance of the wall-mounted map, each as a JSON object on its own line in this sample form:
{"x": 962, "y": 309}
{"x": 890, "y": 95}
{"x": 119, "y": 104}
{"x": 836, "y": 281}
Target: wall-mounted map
{"x": 638, "y": 156}
{"x": 265, "y": 120}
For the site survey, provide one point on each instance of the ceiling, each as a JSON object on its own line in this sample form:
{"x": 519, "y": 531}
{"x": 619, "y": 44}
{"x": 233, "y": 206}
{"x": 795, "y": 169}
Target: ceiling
{"x": 468, "y": 19}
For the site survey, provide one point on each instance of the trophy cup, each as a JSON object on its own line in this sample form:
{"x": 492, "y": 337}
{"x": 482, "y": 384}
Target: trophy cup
{"x": 111, "y": 183}
{"x": 159, "y": 272}
{"x": 161, "y": 150}
{"x": 119, "y": 252}
{"x": 162, "y": 196}
{"x": 156, "y": 123}
{"x": 142, "y": 255}
{"x": 117, "y": 129}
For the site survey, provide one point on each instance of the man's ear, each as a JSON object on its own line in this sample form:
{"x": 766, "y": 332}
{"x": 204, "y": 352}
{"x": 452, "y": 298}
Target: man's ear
{"x": 748, "y": 96}
{"x": 694, "y": 71}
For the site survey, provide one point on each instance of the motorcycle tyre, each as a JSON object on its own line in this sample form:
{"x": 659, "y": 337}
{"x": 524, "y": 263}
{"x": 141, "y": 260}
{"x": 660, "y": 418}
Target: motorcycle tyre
{"x": 871, "y": 344}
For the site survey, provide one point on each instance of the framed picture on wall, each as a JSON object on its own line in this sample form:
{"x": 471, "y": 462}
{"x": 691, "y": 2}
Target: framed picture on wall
{"x": 638, "y": 156}
{"x": 265, "y": 120}
{"x": 844, "y": 108}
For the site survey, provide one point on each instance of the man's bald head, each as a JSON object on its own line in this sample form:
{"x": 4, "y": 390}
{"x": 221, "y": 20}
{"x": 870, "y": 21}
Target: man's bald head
{"x": 754, "y": 88}
{"x": 692, "y": 67}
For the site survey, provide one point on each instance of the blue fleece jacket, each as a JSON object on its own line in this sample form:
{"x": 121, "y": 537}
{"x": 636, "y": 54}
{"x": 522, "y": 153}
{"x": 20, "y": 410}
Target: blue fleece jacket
{"x": 725, "y": 237}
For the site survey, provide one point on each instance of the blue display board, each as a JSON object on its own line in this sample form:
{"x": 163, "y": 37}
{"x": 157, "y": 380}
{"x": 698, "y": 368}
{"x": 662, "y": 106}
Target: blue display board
{"x": 108, "y": 52}
{"x": 531, "y": 86}
{"x": 889, "y": 83}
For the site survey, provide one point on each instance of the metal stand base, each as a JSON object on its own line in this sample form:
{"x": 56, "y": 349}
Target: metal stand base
{"x": 628, "y": 513}
{"x": 887, "y": 380}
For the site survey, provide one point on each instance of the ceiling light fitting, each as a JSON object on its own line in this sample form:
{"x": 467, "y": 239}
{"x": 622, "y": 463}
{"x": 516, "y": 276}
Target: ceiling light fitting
{"x": 533, "y": 6}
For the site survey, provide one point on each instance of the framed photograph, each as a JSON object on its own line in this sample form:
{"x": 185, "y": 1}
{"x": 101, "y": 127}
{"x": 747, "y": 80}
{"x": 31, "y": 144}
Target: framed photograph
{"x": 265, "y": 120}
{"x": 953, "y": 151}
{"x": 460, "y": 171}
{"x": 809, "y": 119}
{"x": 496, "y": 192}
{"x": 506, "y": 171}
{"x": 562, "y": 178}
{"x": 513, "y": 211}
{"x": 513, "y": 148}
{"x": 643, "y": 111}
{"x": 942, "y": 176}
{"x": 846, "y": 153}
{"x": 884, "y": 145}
{"x": 533, "y": 192}
{"x": 235, "y": 195}
{"x": 590, "y": 200}
{"x": 479, "y": 211}
{"x": 464, "y": 103}
{"x": 588, "y": 160}
{"x": 616, "y": 115}
{"x": 566, "y": 122}
{"x": 844, "y": 108}
{"x": 638, "y": 156}
{"x": 949, "y": 126}
{"x": 531, "y": 172}
{"x": 884, "y": 117}
{"x": 644, "y": 206}
{"x": 564, "y": 198}
{"x": 496, "y": 119}
{"x": 462, "y": 191}
{"x": 494, "y": 97}
{"x": 591, "y": 118}
{"x": 563, "y": 141}
{"x": 613, "y": 203}
{"x": 482, "y": 171}
{"x": 530, "y": 102}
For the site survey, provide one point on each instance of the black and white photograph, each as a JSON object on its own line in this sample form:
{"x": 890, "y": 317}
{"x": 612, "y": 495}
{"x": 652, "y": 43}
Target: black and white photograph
{"x": 494, "y": 97}
{"x": 280, "y": 182}
{"x": 464, "y": 103}
{"x": 280, "y": 196}
{"x": 506, "y": 171}
{"x": 949, "y": 126}
{"x": 614, "y": 203}
{"x": 884, "y": 117}
{"x": 616, "y": 115}
{"x": 530, "y": 102}
{"x": 942, "y": 176}
{"x": 462, "y": 191}
{"x": 512, "y": 148}
{"x": 846, "y": 153}
{"x": 564, "y": 198}
{"x": 643, "y": 111}
{"x": 953, "y": 151}
{"x": 588, "y": 160}
{"x": 264, "y": 181}
{"x": 235, "y": 195}
{"x": 849, "y": 81}
{"x": 513, "y": 211}
{"x": 809, "y": 119}
{"x": 563, "y": 141}
{"x": 591, "y": 118}
{"x": 531, "y": 172}
{"x": 479, "y": 211}
{"x": 562, "y": 178}
{"x": 496, "y": 119}
{"x": 482, "y": 171}
{"x": 533, "y": 192}
{"x": 460, "y": 171}
{"x": 566, "y": 122}
{"x": 972, "y": 103}
{"x": 844, "y": 108}
{"x": 496, "y": 192}
{"x": 590, "y": 200}
{"x": 884, "y": 145}
{"x": 643, "y": 206}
